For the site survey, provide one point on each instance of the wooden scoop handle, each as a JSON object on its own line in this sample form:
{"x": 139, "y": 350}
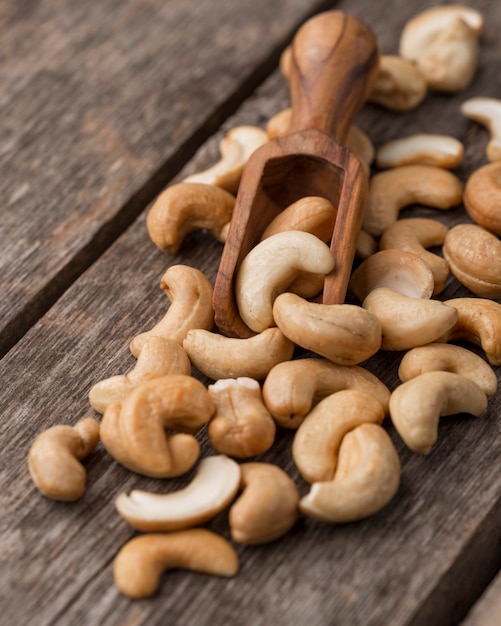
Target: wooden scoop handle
{"x": 334, "y": 63}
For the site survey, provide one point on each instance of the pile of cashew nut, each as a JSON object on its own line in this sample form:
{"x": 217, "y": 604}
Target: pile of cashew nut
{"x": 341, "y": 447}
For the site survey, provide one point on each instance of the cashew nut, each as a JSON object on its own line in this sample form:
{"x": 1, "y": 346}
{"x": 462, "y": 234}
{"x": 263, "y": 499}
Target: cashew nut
{"x": 392, "y": 190}
{"x": 292, "y": 388}
{"x": 421, "y": 149}
{"x": 270, "y": 267}
{"x": 417, "y": 405}
{"x": 242, "y": 425}
{"x": 190, "y": 294}
{"x": 268, "y": 506}
{"x": 141, "y": 562}
{"x": 486, "y": 111}
{"x": 366, "y": 479}
{"x": 482, "y": 197}
{"x": 133, "y": 430}
{"x": 218, "y": 357}
{"x": 214, "y": 486}
{"x": 399, "y": 85}
{"x": 440, "y": 357}
{"x": 343, "y": 333}
{"x": 185, "y": 207}
{"x": 55, "y": 455}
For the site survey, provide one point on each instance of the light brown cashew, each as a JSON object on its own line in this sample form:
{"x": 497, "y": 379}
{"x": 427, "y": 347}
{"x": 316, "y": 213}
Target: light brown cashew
{"x": 55, "y": 455}
{"x": 185, "y": 207}
{"x": 291, "y": 389}
{"x": 479, "y": 322}
{"x": 443, "y": 357}
{"x": 421, "y": 149}
{"x": 133, "y": 431}
{"x": 158, "y": 357}
{"x": 279, "y": 124}
{"x": 408, "y": 322}
{"x": 190, "y": 294}
{"x": 140, "y": 563}
{"x": 482, "y": 197}
{"x": 218, "y": 357}
{"x": 270, "y": 267}
{"x": 486, "y": 111}
{"x": 392, "y": 190}
{"x": 474, "y": 256}
{"x": 268, "y": 506}
{"x": 242, "y": 425}
{"x": 399, "y": 85}
{"x": 317, "y": 440}
{"x": 415, "y": 234}
{"x": 343, "y": 333}
{"x": 214, "y": 486}
{"x": 366, "y": 479}
{"x": 417, "y": 405}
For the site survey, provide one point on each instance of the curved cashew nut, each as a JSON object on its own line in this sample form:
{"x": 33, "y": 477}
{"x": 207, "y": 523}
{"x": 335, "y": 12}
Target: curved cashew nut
{"x": 218, "y": 357}
{"x": 417, "y": 405}
{"x": 268, "y": 506}
{"x": 317, "y": 440}
{"x": 392, "y": 190}
{"x": 292, "y": 388}
{"x": 190, "y": 294}
{"x": 481, "y": 197}
{"x": 421, "y": 149}
{"x": 440, "y": 357}
{"x": 141, "y": 562}
{"x": 133, "y": 430}
{"x": 415, "y": 234}
{"x": 214, "y": 486}
{"x": 399, "y": 85}
{"x": 366, "y": 479}
{"x": 55, "y": 455}
{"x": 242, "y": 426}
{"x": 343, "y": 333}
{"x": 486, "y": 111}
{"x": 185, "y": 207}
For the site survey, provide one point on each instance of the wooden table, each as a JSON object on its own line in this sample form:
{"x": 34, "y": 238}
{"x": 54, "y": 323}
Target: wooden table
{"x": 103, "y": 104}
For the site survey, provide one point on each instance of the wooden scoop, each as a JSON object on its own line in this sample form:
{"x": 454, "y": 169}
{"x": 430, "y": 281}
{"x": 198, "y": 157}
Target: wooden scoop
{"x": 334, "y": 62}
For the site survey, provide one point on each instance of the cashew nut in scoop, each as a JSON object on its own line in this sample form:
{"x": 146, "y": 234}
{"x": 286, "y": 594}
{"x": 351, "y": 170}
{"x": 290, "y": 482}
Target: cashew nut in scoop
{"x": 270, "y": 267}
{"x": 190, "y": 294}
{"x": 421, "y": 149}
{"x": 417, "y": 405}
{"x": 55, "y": 455}
{"x": 291, "y": 389}
{"x": 268, "y": 506}
{"x": 235, "y": 148}
{"x": 443, "y": 357}
{"x": 343, "y": 333}
{"x": 158, "y": 357}
{"x": 185, "y": 207}
{"x": 366, "y": 479}
{"x": 214, "y": 486}
{"x": 414, "y": 235}
{"x": 242, "y": 425}
{"x": 317, "y": 440}
{"x": 399, "y": 85}
{"x": 140, "y": 563}
{"x": 133, "y": 431}
{"x": 482, "y": 197}
{"x": 486, "y": 111}
{"x": 392, "y": 190}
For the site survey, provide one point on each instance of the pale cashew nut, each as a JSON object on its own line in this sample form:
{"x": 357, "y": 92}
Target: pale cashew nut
{"x": 317, "y": 440}
{"x": 486, "y": 111}
{"x": 214, "y": 486}
{"x": 414, "y": 235}
{"x": 190, "y": 294}
{"x": 218, "y": 356}
{"x": 443, "y": 357}
{"x": 268, "y": 506}
{"x": 482, "y": 197}
{"x": 279, "y": 124}
{"x": 242, "y": 425}
{"x": 185, "y": 207}
{"x": 291, "y": 389}
{"x": 236, "y": 148}
{"x": 417, "y": 405}
{"x": 366, "y": 479}
{"x": 343, "y": 333}
{"x": 140, "y": 563}
{"x": 55, "y": 455}
{"x": 392, "y": 190}
{"x": 270, "y": 267}
{"x": 133, "y": 431}
{"x": 399, "y": 85}
{"x": 421, "y": 149}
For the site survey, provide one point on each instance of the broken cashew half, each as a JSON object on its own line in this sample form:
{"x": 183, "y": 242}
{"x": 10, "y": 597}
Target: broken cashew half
{"x": 486, "y": 111}
{"x": 399, "y": 85}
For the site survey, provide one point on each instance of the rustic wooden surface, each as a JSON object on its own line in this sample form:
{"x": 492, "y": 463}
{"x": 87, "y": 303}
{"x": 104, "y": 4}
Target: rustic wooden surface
{"x": 429, "y": 555}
